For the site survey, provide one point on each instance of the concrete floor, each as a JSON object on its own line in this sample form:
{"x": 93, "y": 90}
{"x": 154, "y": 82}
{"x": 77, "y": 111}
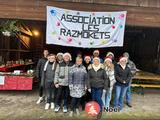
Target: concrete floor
{"x": 21, "y": 105}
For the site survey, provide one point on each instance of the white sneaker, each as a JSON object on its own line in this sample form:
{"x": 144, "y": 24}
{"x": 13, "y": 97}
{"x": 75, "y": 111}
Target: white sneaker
{"x": 77, "y": 112}
{"x": 65, "y": 109}
{"x": 47, "y": 106}
{"x": 56, "y": 108}
{"x": 39, "y": 100}
{"x": 52, "y": 105}
{"x": 71, "y": 114}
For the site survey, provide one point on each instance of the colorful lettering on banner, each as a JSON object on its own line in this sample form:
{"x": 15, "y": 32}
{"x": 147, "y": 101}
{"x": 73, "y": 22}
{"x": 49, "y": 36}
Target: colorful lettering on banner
{"x": 85, "y": 29}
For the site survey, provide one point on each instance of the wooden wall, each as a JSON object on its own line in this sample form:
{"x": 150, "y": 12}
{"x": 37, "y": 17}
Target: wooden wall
{"x": 140, "y": 12}
{"x": 138, "y": 3}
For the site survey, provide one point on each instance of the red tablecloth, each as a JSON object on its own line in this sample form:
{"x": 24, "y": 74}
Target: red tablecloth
{"x": 17, "y": 83}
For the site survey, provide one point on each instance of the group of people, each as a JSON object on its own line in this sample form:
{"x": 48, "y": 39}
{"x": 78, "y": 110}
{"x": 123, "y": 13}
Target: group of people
{"x": 71, "y": 85}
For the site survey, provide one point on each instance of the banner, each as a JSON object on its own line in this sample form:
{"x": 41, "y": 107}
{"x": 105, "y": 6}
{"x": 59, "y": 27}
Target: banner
{"x": 85, "y": 29}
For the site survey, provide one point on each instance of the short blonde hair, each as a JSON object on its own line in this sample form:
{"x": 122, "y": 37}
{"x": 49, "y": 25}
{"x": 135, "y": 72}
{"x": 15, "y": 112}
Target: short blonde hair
{"x": 79, "y": 58}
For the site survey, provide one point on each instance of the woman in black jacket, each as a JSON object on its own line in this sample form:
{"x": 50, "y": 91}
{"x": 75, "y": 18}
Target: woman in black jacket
{"x": 39, "y": 70}
{"x": 123, "y": 77}
{"x": 97, "y": 82}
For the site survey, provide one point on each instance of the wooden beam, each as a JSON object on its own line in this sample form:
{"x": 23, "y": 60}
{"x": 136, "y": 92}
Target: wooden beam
{"x": 138, "y": 3}
{"x": 15, "y": 50}
{"x": 36, "y": 10}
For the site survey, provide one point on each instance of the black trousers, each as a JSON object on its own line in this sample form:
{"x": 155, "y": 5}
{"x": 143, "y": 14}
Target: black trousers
{"x": 62, "y": 94}
{"x": 75, "y": 102}
{"x": 49, "y": 91}
{"x": 40, "y": 89}
{"x": 86, "y": 98}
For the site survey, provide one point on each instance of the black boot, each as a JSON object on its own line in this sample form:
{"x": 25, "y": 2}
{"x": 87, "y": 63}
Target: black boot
{"x": 99, "y": 115}
{"x": 128, "y": 104}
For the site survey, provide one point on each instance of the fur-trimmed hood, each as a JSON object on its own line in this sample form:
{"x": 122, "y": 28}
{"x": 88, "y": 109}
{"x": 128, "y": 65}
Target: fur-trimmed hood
{"x": 91, "y": 66}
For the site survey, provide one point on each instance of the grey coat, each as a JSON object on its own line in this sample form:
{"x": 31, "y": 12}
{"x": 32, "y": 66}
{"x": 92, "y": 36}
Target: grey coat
{"x": 48, "y": 73}
{"x": 61, "y": 73}
{"x": 77, "y": 81}
{"x": 132, "y": 67}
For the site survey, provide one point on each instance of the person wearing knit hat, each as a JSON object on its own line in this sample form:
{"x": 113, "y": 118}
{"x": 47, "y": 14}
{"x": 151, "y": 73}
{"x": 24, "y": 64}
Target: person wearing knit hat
{"x": 96, "y": 53}
{"x": 123, "y": 60}
{"x": 97, "y": 82}
{"x": 61, "y": 82}
{"x": 133, "y": 69}
{"x": 111, "y": 55}
{"x": 108, "y": 59}
{"x": 123, "y": 78}
{"x": 67, "y": 56}
{"x": 87, "y": 61}
{"x": 59, "y": 57}
{"x": 87, "y": 58}
{"x": 109, "y": 68}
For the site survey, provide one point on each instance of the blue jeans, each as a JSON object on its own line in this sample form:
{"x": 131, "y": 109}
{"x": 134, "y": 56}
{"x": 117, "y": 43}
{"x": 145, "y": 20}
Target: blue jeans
{"x": 120, "y": 94}
{"x": 106, "y": 98}
{"x": 97, "y": 96}
{"x": 128, "y": 95}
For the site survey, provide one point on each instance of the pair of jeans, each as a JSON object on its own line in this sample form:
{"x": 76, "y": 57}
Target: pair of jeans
{"x": 119, "y": 97}
{"x": 128, "y": 95}
{"x": 75, "y": 102}
{"x": 62, "y": 93}
{"x": 106, "y": 97}
{"x": 97, "y": 96}
{"x": 49, "y": 91}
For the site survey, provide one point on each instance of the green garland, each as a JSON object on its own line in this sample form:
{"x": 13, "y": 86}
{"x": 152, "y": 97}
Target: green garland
{"x": 9, "y": 27}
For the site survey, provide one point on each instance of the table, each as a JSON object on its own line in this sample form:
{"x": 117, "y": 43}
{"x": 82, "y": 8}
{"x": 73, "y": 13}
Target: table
{"x": 17, "y": 83}
{"x": 15, "y": 67}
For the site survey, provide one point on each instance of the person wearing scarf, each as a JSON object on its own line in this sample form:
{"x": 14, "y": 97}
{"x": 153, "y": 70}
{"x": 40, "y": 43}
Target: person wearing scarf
{"x": 48, "y": 80}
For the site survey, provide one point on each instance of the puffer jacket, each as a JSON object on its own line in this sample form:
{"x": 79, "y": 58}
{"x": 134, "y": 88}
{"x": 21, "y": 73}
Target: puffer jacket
{"x": 98, "y": 79}
{"x": 61, "y": 73}
{"x": 78, "y": 75}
